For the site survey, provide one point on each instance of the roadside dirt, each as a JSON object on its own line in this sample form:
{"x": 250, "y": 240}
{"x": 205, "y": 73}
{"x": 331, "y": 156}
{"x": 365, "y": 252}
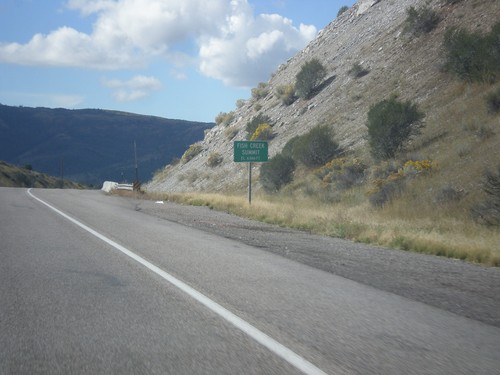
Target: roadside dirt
{"x": 465, "y": 289}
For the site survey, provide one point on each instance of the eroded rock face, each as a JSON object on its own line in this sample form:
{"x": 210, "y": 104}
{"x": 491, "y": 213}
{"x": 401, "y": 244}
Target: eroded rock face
{"x": 364, "y": 5}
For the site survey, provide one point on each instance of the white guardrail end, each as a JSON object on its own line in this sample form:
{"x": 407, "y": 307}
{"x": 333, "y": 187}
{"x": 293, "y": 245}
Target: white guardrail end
{"x": 110, "y": 185}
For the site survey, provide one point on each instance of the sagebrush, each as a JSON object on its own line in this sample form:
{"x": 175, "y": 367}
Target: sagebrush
{"x": 472, "y": 56}
{"x": 254, "y": 123}
{"x": 310, "y": 76}
{"x": 314, "y": 148}
{"x": 488, "y": 211}
{"x": 421, "y": 20}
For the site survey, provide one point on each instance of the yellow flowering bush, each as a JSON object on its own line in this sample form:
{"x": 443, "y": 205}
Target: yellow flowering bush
{"x": 385, "y": 188}
{"x": 335, "y": 163}
{"x": 264, "y": 132}
{"x": 417, "y": 166}
{"x": 343, "y": 172}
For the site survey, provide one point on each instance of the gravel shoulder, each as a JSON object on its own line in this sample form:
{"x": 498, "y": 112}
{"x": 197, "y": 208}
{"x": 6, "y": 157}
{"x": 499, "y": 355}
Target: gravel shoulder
{"x": 469, "y": 290}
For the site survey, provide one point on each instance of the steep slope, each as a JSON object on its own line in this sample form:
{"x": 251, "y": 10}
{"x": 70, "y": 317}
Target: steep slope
{"x": 92, "y": 145}
{"x": 370, "y": 34}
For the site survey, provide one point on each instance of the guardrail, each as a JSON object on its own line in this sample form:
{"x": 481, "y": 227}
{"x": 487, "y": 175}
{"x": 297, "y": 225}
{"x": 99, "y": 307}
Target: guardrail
{"x": 128, "y": 187}
{"x": 108, "y": 186}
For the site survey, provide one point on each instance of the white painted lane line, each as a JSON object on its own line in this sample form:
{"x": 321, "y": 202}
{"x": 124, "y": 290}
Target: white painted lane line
{"x": 259, "y": 336}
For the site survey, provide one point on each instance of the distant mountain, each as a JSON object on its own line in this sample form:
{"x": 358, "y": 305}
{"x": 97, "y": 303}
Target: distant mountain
{"x": 15, "y": 176}
{"x": 93, "y": 145}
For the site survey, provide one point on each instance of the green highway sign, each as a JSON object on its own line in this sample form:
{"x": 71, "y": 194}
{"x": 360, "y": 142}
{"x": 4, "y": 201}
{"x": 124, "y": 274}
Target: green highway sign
{"x": 250, "y": 151}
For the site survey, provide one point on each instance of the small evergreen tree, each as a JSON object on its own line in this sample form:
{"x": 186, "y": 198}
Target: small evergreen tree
{"x": 309, "y": 78}
{"x": 488, "y": 211}
{"x": 390, "y": 124}
{"x": 277, "y": 172}
{"x": 421, "y": 21}
{"x": 314, "y": 148}
{"x": 342, "y": 9}
{"x": 472, "y": 56}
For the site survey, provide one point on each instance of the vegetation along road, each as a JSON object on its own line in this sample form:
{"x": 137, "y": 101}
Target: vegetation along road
{"x": 91, "y": 283}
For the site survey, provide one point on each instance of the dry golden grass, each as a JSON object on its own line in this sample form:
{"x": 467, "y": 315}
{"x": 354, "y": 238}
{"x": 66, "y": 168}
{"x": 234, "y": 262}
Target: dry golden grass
{"x": 443, "y": 236}
{"x": 460, "y": 138}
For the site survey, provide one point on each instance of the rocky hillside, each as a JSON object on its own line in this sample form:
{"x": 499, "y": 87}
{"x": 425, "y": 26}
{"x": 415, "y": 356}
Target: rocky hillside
{"x": 15, "y": 176}
{"x": 371, "y": 35}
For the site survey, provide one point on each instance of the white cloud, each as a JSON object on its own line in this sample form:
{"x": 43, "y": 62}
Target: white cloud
{"x": 135, "y": 88}
{"x": 233, "y": 45}
{"x": 87, "y": 7}
{"x": 252, "y": 47}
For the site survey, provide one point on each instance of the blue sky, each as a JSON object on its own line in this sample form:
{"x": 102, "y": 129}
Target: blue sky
{"x": 183, "y": 59}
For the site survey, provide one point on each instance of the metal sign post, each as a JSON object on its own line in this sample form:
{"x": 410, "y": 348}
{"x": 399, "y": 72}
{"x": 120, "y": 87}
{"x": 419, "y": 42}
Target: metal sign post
{"x": 249, "y": 152}
{"x": 250, "y": 183}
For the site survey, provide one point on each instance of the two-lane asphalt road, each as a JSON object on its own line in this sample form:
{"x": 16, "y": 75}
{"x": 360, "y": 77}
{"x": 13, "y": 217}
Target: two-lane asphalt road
{"x": 89, "y": 285}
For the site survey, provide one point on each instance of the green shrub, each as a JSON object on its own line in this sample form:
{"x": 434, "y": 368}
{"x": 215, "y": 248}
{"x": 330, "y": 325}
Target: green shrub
{"x": 421, "y": 21}
{"x": 387, "y": 192}
{"x": 472, "y": 56}
{"x": 385, "y": 169}
{"x": 357, "y": 71}
{"x": 277, "y": 172}
{"x": 260, "y": 91}
{"x": 240, "y": 103}
{"x": 214, "y": 159}
{"x": 311, "y": 75}
{"x": 231, "y": 132}
{"x": 343, "y": 173}
{"x": 448, "y": 194}
{"x": 351, "y": 175}
{"x": 390, "y": 124}
{"x": 224, "y": 118}
{"x": 24, "y": 179}
{"x": 314, "y": 148}
{"x": 254, "y": 123}
{"x": 493, "y": 101}
{"x": 286, "y": 94}
{"x": 191, "y": 152}
{"x": 289, "y": 146}
{"x": 484, "y": 132}
{"x": 342, "y": 9}
{"x": 488, "y": 211}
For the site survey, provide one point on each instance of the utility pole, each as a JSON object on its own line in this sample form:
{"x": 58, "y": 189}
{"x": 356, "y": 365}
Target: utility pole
{"x": 136, "y": 166}
{"x": 62, "y": 173}
{"x": 250, "y": 183}
{"x": 137, "y": 184}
